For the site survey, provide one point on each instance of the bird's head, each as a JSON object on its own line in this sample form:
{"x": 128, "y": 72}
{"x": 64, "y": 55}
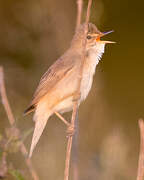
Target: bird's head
{"x": 93, "y": 37}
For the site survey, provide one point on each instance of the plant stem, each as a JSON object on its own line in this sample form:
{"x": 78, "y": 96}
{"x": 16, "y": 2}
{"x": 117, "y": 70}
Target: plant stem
{"x": 77, "y": 96}
{"x": 140, "y": 173}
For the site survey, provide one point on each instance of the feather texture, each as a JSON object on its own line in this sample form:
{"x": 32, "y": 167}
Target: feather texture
{"x": 58, "y": 85}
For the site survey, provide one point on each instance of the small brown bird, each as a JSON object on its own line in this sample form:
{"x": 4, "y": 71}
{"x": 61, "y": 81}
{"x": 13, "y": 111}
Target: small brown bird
{"x": 58, "y": 85}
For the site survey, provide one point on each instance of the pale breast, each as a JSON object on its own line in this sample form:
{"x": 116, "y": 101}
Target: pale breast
{"x": 93, "y": 58}
{"x": 71, "y": 83}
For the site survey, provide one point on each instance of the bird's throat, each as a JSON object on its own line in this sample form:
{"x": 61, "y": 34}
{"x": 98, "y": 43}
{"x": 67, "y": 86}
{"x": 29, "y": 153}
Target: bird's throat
{"x": 95, "y": 54}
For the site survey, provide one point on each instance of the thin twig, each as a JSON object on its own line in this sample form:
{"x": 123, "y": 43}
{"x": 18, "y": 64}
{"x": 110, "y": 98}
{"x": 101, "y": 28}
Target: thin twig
{"x": 140, "y": 173}
{"x": 12, "y": 123}
{"x": 75, "y": 152}
{"x": 77, "y": 96}
{"x": 79, "y": 12}
{"x": 5, "y": 100}
{"x": 75, "y": 138}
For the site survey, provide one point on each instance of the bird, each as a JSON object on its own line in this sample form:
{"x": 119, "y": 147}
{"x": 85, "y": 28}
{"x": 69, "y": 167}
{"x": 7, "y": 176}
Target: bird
{"x": 57, "y": 87}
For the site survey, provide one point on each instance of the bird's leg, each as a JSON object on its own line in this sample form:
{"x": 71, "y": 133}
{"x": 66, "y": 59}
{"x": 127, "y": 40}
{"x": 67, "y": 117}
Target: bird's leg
{"x": 62, "y": 118}
{"x": 70, "y": 128}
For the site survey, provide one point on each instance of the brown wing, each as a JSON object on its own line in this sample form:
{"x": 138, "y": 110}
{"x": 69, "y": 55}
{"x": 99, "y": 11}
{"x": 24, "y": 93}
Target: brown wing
{"x": 54, "y": 74}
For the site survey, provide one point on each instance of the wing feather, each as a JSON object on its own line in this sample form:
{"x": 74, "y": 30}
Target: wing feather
{"x": 53, "y": 75}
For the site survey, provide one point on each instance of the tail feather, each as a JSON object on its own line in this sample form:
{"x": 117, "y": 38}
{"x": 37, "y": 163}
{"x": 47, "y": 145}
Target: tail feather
{"x": 29, "y": 109}
{"x": 40, "y": 119}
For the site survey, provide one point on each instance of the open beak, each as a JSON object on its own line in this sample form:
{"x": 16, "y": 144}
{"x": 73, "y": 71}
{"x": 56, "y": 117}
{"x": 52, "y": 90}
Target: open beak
{"x": 103, "y": 34}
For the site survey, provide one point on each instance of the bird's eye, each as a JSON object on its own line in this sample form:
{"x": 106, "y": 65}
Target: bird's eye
{"x": 89, "y": 37}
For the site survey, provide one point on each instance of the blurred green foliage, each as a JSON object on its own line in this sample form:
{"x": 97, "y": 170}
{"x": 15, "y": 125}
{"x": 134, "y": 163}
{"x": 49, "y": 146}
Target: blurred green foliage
{"x": 16, "y": 174}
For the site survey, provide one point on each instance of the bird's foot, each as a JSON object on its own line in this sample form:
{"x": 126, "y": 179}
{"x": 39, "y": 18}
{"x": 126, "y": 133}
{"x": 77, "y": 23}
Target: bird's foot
{"x": 70, "y": 130}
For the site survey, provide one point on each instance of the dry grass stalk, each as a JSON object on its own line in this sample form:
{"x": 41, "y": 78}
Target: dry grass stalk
{"x": 77, "y": 96}
{"x": 75, "y": 140}
{"x": 140, "y": 173}
{"x": 79, "y": 12}
{"x": 12, "y": 123}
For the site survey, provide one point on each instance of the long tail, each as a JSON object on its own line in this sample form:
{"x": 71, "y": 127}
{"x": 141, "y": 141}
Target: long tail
{"x": 41, "y": 117}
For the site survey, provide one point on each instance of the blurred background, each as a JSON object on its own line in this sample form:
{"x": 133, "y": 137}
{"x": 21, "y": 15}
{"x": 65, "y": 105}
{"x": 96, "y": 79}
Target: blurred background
{"x": 33, "y": 35}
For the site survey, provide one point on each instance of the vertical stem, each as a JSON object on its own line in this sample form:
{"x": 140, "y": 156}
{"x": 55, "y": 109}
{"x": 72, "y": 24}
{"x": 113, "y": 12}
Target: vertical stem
{"x": 79, "y": 12}
{"x": 75, "y": 152}
{"x": 67, "y": 162}
{"x": 75, "y": 141}
{"x": 69, "y": 144}
{"x": 75, "y": 106}
{"x": 140, "y": 173}
{"x": 5, "y": 99}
